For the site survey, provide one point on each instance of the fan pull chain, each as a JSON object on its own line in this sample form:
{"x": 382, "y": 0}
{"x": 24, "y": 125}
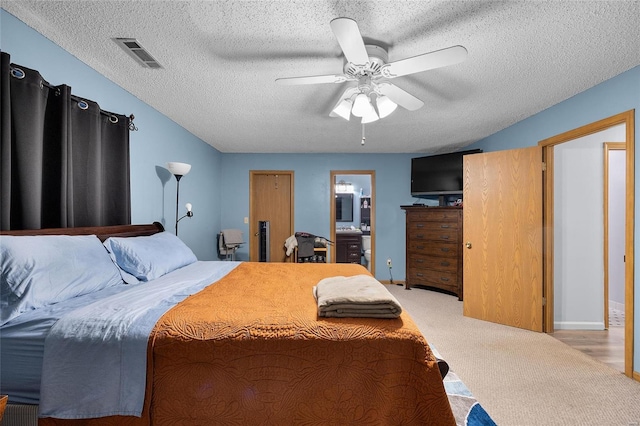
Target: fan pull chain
{"x": 363, "y": 138}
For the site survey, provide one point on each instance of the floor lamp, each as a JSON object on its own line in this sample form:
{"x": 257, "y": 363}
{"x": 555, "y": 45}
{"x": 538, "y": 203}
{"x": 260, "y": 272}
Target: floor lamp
{"x": 179, "y": 170}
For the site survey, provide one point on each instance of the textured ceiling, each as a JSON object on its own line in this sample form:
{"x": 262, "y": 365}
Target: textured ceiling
{"x": 221, "y": 59}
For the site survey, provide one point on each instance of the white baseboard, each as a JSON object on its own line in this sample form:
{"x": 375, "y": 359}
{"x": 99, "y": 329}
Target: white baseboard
{"x": 572, "y": 325}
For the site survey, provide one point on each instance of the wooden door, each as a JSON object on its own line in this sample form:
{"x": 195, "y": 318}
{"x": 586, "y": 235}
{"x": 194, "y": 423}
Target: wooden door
{"x": 271, "y": 198}
{"x": 502, "y": 230}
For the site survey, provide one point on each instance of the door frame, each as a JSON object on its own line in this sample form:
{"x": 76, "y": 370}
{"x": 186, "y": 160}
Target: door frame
{"x": 253, "y": 226}
{"x": 628, "y": 119}
{"x": 332, "y": 210}
{"x": 608, "y": 146}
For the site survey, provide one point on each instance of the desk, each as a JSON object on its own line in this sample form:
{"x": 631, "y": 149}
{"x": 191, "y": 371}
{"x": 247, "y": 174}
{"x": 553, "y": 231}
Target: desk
{"x": 318, "y": 252}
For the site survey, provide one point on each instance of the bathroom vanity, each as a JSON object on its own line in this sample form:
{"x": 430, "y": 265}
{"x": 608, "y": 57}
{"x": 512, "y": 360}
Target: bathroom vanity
{"x": 348, "y": 246}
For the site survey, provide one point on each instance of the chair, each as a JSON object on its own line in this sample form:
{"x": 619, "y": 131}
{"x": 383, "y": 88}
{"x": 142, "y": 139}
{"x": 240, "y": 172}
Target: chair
{"x": 229, "y": 241}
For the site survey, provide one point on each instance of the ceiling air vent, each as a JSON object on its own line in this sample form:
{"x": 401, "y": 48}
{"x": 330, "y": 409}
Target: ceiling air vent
{"x": 137, "y": 52}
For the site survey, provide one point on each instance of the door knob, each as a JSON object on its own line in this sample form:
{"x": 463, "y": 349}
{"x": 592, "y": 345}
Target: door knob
{"x": 468, "y": 245}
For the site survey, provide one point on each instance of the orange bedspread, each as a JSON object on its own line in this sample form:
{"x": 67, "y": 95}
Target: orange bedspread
{"x": 250, "y": 349}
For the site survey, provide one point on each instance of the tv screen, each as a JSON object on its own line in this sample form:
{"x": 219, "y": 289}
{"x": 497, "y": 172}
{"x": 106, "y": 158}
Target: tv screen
{"x": 438, "y": 174}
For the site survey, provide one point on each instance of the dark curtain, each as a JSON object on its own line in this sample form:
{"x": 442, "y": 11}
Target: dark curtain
{"x": 65, "y": 163}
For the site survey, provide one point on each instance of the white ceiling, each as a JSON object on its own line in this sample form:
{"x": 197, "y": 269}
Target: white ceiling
{"x": 221, "y": 58}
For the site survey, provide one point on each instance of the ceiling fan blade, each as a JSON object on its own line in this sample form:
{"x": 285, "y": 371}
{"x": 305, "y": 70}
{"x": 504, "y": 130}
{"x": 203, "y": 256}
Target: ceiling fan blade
{"x": 400, "y": 97}
{"x": 316, "y": 79}
{"x": 427, "y": 61}
{"x": 348, "y": 34}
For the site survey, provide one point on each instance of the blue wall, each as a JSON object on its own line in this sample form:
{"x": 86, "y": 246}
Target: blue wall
{"x": 614, "y": 96}
{"x": 158, "y": 140}
{"x": 312, "y": 192}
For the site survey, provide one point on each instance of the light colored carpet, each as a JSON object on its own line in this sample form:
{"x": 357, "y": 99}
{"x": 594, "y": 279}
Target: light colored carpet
{"x": 522, "y": 377}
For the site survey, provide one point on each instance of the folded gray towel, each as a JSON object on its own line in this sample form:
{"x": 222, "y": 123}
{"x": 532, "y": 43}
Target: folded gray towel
{"x": 356, "y": 297}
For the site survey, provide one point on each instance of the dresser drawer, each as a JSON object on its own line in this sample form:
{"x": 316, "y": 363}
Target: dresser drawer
{"x": 439, "y": 279}
{"x": 431, "y": 234}
{"x": 444, "y": 264}
{"x": 431, "y": 249}
{"x": 439, "y": 215}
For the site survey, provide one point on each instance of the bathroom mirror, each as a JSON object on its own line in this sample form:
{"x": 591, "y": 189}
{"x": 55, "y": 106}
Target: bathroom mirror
{"x": 344, "y": 207}
{"x": 353, "y": 232}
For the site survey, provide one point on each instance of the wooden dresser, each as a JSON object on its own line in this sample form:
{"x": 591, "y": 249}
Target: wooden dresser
{"x": 434, "y": 248}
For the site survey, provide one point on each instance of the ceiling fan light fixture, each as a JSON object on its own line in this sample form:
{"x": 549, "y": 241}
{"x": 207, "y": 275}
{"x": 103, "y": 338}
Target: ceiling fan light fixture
{"x": 370, "y": 116}
{"x": 361, "y": 105}
{"x": 343, "y": 109}
{"x": 385, "y": 106}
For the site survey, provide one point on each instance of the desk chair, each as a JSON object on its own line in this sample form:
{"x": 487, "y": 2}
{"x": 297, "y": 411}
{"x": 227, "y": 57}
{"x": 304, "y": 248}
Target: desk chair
{"x": 229, "y": 241}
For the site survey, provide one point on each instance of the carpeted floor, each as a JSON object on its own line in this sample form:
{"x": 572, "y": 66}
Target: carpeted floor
{"x": 521, "y": 377}
{"x": 466, "y": 408}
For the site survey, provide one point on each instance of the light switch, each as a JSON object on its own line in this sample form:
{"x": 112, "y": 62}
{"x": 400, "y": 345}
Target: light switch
{"x": 246, "y": 220}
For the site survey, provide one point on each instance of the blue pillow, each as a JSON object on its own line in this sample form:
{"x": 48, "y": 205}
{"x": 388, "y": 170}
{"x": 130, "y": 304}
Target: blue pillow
{"x": 147, "y": 258}
{"x": 37, "y": 271}
{"x": 127, "y": 277}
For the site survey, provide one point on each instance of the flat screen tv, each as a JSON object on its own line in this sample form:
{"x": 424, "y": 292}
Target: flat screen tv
{"x": 438, "y": 174}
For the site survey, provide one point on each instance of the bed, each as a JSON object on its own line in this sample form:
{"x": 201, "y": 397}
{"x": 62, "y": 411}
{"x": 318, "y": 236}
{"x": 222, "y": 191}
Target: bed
{"x": 236, "y": 343}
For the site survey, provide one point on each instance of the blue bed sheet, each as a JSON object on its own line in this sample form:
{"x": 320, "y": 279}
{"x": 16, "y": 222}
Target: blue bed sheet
{"x": 60, "y": 356}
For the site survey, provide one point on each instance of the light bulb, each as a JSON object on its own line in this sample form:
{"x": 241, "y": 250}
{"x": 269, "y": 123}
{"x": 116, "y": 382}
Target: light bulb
{"x": 188, "y": 206}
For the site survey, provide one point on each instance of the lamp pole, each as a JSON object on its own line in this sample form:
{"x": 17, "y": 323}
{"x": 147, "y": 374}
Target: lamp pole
{"x": 177, "y": 199}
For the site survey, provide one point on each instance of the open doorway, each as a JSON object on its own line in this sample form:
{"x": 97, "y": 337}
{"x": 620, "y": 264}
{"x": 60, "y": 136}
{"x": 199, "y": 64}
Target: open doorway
{"x": 353, "y": 226}
{"x": 561, "y": 291}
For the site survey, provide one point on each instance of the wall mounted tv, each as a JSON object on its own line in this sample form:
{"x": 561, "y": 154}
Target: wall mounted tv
{"x": 438, "y": 174}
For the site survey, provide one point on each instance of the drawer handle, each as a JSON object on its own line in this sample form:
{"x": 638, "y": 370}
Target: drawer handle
{"x": 444, "y": 264}
{"x": 445, "y": 226}
{"x": 419, "y": 225}
{"x": 445, "y": 249}
{"x": 444, "y": 237}
{"x": 420, "y": 274}
{"x": 444, "y": 279}
{"x": 420, "y": 236}
{"x": 419, "y": 247}
{"x": 419, "y": 260}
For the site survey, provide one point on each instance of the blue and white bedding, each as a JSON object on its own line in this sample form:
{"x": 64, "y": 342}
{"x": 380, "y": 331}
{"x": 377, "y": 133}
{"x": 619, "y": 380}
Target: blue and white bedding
{"x": 73, "y": 336}
{"x": 95, "y": 356}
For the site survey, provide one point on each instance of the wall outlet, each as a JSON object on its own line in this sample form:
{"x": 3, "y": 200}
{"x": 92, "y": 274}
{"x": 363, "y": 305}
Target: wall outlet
{"x": 389, "y": 262}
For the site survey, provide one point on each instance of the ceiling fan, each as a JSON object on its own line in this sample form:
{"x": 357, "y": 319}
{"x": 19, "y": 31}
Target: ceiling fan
{"x": 368, "y": 66}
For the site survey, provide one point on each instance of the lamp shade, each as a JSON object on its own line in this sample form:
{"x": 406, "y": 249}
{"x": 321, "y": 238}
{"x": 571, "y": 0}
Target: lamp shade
{"x": 343, "y": 109}
{"x": 361, "y": 105}
{"x": 370, "y": 116}
{"x": 385, "y": 106}
{"x": 179, "y": 169}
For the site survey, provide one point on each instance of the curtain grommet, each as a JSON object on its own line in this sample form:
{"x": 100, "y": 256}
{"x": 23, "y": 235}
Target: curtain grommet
{"x": 113, "y": 119}
{"x": 83, "y": 105}
{"x": 17, "y": 73}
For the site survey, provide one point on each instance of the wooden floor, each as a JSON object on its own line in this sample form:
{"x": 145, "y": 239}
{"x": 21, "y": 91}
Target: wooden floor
{"x": 606, "y": 345}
